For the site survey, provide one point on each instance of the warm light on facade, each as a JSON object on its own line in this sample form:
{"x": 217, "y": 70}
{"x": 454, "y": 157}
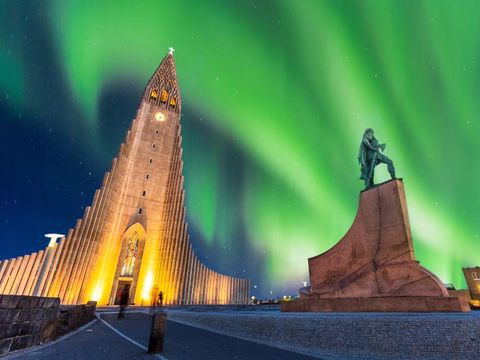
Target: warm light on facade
{"x": 109, "y": 247}
{"x": 147, "y": 287}
{"x": 97, "y": 293}
{"x": 475, "y": 303}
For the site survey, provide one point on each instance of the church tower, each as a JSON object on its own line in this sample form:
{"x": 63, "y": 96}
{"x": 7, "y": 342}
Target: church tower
{"x": 135, "y": 232}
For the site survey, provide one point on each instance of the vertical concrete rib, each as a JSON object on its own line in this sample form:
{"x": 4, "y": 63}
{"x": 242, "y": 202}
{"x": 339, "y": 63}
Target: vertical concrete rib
{"x": 32, "y": 281}
{"x": 53, "y": 267}
{"x": 6, "y": 273}
{"x": 25, "y": 274}
{"x": 76, "y": 260}
{"x": 3, "y": 267}
{"x": 19, "y": 275}
{"x": 72, "y": 255}
{"x": 12, "y": 275}
{"x": 75, "y": 284}
{"x": 59, "y": 271}
{"x": 92, "y": 256}
{"x": 88, "y": 239}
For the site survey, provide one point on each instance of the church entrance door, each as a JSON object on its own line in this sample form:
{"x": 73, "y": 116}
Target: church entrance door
{"x": 120, "y": 286}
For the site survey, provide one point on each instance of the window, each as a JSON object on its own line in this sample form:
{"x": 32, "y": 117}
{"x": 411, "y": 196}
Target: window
{"x": 164, "y": 96}
{"x": 154, "y": 94}
{"x": 140, "y": 210}
{"x": 129, "y": 261}
{"x": 173, "y": 102}
{"x": 153, "y": 146}
{"x": 144, "y": 193}
{"x": 156, "y": 131}
{"x": 475, "y": 276}
{"x": 150, "y": 161}
{"x": 147, "y": 176}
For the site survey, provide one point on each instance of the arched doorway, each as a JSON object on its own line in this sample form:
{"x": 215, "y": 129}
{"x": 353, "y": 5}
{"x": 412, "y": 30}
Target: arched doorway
{"x": 129, "y": 261}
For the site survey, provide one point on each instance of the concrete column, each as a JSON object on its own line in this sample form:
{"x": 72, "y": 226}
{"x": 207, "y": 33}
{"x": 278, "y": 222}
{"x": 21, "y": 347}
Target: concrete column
{"x": 46, "y": 263}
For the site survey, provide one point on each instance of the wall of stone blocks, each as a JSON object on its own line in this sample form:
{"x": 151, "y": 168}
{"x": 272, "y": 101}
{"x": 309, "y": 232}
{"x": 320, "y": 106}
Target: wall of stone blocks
{"x": 30, "y": 320}
{"x": 72, "y": 317}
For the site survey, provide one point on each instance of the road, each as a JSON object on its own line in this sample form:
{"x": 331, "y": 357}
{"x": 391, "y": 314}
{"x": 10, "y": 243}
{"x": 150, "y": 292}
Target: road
{"x": 109, "y": 338}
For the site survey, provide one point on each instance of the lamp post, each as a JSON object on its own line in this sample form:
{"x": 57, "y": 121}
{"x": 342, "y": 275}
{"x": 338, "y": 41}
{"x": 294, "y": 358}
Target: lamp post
{"x": 46, "y": 262}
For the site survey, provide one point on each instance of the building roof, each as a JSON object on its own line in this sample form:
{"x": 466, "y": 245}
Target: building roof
{"x": 162, "y": 88}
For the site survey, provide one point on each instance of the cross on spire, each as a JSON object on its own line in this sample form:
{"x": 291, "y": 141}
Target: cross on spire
{"x": 171, "y": 50}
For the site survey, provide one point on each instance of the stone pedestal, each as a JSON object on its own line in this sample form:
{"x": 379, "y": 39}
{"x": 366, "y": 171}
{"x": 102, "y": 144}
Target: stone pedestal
{"x": 157, "y": 332}
{"x": 373, "y": 268}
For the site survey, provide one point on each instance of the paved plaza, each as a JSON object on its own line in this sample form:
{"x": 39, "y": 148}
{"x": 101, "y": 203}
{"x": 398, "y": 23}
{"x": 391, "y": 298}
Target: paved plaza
{"x": 344, "y": 336}
{"x": 263, "y": 332}
{"x": 182, "y": 342}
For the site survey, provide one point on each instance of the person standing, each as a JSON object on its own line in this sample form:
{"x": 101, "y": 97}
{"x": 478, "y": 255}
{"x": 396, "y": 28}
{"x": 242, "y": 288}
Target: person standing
{"x": 124, "y": 296}
{"x": 160, "y": 299}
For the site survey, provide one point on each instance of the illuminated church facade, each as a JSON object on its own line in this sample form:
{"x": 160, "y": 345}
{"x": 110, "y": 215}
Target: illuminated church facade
{"x": 135, "y": 232}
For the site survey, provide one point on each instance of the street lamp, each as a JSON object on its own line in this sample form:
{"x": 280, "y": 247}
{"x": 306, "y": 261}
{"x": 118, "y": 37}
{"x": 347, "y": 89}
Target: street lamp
{"x": 53, "y": 238}
{"x": 37, "y": 291}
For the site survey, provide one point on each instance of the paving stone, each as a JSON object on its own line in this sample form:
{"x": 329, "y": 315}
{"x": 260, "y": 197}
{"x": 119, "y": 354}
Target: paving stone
{"x": 350, "y": 335}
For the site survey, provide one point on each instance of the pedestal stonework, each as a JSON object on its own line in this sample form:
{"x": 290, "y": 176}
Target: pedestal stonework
{"x": 373, "y": 268}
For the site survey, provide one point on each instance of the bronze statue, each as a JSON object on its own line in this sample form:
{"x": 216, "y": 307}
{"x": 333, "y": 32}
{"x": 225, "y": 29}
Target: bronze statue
{"x": 370, "y": 155}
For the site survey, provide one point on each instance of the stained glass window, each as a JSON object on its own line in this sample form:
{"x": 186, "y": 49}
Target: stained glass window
{"x": 154, "y": 94}
{"x": 164, "y": 96}
{"x": 129, "y": 261}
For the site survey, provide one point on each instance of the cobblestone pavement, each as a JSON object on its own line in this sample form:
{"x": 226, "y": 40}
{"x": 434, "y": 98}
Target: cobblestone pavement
{"x": 182, "y": 342}
{"x": 332, "y": 336}
{"x": 347, "y": 336}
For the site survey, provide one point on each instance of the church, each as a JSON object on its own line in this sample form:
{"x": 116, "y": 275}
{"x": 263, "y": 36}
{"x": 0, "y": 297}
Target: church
{"x": 135, "y": 233}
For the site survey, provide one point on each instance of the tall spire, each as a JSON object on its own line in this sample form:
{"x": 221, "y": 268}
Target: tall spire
{"x": 135, "y": 232}
{"x": 162, "y": 88}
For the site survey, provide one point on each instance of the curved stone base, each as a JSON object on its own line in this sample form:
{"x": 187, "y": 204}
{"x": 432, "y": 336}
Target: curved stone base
{"x": 378, "y": 304}
{"x": 373, "y": 267}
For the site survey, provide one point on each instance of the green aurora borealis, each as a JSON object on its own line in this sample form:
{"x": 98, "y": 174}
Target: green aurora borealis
{"x": 290, "y": 86}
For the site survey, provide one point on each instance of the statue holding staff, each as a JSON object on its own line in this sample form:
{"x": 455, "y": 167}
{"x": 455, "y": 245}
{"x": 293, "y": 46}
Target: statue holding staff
{"x": 370, "y": 155}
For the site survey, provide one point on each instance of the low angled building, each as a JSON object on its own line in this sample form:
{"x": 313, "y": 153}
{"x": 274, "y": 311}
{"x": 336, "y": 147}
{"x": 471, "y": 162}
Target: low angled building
{"x": 472, "y": 277}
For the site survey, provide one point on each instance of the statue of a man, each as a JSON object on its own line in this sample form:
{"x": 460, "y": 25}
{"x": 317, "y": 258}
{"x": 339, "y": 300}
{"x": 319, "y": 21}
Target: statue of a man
{"x": 370, "y": 156}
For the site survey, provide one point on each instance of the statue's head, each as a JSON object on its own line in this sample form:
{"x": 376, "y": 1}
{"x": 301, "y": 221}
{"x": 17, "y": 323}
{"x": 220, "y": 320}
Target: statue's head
{"x": 369, "y": 133}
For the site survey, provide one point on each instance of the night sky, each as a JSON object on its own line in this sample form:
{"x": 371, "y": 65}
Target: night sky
{"x": 276, "y": 96}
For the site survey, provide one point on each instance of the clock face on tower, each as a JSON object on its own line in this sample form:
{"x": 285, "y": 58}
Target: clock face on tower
{"x": 159, "y": 116}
